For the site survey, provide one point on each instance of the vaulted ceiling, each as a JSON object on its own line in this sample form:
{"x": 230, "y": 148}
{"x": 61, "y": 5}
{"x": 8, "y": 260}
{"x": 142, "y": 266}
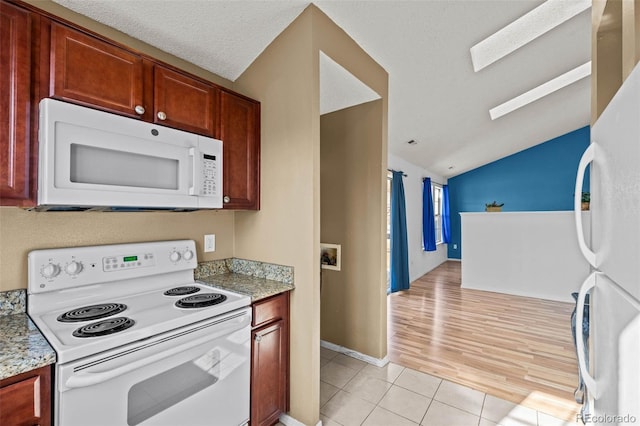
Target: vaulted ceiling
{"x": 435, "y": 97}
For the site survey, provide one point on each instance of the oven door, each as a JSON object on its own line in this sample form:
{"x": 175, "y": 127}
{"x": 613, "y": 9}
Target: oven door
{"x": 197, "y": 375}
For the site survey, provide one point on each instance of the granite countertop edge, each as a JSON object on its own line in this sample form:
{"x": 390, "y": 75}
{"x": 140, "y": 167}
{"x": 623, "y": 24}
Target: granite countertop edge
{"x": 23, "y": 347}
{"x": 254, "y": 287}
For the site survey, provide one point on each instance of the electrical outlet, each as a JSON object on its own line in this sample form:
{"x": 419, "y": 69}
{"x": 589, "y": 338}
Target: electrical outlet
{"x": 209, "y": 243}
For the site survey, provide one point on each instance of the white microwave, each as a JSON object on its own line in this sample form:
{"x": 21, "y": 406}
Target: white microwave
{"x": 90, "y": 158}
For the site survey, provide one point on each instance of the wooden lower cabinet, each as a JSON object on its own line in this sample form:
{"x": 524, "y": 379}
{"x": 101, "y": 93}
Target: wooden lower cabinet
{"x": 25, "y": 399}
{"x": 270, "y": 360}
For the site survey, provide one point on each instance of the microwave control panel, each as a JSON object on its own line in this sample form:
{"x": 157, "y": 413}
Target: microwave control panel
{"x": 209, "y": 175}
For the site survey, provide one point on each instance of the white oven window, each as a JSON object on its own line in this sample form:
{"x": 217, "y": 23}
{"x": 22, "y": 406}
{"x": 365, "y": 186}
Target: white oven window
{"x": 157, "y": 393}
{"x": 98, "y": 165}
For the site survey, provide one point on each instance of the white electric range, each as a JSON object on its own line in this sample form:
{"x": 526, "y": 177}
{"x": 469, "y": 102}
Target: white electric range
{"x": 133, "y": 329}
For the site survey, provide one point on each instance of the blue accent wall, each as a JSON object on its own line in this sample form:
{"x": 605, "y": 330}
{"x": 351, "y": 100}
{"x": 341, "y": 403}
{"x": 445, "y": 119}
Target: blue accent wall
{"x": 541, "y": 178}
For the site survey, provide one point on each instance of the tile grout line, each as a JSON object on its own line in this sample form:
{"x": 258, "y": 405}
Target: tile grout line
{"x": 484, "y": 400}
{"x": 432, "y": 399}
{"x": 394, "y": 383}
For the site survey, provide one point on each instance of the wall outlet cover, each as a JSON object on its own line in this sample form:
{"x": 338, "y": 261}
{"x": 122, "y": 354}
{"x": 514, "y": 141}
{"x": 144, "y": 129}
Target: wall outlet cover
{"x": 209, "y": 243}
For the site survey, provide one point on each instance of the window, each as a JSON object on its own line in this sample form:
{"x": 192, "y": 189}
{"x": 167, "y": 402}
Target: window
{"x": 436, "y": 193}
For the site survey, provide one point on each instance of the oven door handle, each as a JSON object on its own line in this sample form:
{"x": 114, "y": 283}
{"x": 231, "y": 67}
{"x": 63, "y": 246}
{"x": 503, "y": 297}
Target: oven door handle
{"x": 84, "y": 379}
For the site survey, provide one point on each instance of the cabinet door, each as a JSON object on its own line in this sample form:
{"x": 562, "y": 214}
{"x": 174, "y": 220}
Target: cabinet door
{"x": 268, "y": 373}
{"x": 16, "y": 145}
{"x": 184, "y": 103}
{"x": 93, "y": 72}
{"x": 240, "y": 135}
{"x": 25, "y": 399}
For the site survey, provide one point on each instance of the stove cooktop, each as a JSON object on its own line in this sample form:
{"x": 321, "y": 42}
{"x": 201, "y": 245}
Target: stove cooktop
{"x": 149, "y": 313}
{"x": 83, "y": 306}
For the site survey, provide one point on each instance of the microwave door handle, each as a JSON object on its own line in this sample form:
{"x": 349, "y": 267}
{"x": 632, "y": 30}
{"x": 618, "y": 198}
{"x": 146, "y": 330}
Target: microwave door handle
{"x": 194, "y": 171}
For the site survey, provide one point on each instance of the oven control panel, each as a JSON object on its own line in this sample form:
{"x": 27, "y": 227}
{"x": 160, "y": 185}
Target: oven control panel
{"x": 64, "y": 268}
{"x": 128, "y": 261}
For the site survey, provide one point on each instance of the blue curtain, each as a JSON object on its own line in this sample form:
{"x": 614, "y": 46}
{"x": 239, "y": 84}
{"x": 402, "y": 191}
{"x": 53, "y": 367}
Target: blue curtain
{"x": 428, "y": 225}
{"x": 399, "y": 257}
{"x": 446, "y": 221}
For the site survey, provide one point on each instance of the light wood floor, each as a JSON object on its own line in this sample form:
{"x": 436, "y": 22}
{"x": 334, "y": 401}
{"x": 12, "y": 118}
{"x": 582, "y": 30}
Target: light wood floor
{"x": 516, "y": 348}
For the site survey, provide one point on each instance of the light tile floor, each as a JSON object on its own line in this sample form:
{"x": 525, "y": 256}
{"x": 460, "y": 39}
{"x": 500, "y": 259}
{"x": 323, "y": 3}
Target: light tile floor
{"x": 353, "y": 393}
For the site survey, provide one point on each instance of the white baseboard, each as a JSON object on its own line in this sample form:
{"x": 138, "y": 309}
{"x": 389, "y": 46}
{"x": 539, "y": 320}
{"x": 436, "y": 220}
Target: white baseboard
{"x": 287, "y": 420}
{"x": 378, "y": 362}
{"x": 454, "y": 260}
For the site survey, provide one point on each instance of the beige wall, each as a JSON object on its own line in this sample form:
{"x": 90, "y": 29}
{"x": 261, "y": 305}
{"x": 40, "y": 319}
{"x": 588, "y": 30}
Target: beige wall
{"x": 22, "y": 231}
{"x": 350, "y": 216}
{"x": 286, "y": 230}
{"x": 615, "y": 49}
{"x": 285, "y": 79}
{"x": 337, "y": 44}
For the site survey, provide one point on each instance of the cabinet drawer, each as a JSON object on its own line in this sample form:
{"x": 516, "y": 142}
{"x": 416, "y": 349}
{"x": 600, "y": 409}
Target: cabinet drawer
{"x": 269, "y": 310}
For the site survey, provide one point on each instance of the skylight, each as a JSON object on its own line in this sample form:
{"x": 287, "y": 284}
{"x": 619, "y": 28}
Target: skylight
{"x": 545, "y": 89}
{"x": 525, "y": 29}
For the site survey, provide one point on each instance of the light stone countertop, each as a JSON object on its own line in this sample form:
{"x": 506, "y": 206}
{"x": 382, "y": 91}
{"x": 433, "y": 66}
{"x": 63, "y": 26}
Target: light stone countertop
{"x": 22, "y": 347}
{"x": 257, "y": 288}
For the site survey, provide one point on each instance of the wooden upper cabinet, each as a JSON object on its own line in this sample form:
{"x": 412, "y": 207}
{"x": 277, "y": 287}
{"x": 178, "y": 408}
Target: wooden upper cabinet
{"x": 240, "y": 135}
{"x": 43, "y": 57}
{"x": 93, "y": 72}
{"x": 16, "y": 145}
{"x": 87, "y": 70}
{"x": 183, "y": 102}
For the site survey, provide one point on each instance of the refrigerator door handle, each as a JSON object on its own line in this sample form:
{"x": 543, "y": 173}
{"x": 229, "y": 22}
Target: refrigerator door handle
{"x": 589, "y": 381}
{"x": 586, "y": 158}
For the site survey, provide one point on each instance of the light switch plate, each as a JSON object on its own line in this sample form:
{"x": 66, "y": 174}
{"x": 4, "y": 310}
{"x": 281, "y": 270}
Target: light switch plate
{"x": 209, "y": 243}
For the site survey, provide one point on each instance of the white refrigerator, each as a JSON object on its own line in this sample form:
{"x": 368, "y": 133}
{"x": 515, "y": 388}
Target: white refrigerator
{"x": 611, "y": 367}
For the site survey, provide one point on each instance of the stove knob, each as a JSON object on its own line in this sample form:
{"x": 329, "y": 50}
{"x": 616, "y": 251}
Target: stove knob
{"x": 73, "y": 268}
{"x": 51, "y": 270}
{"x": 174, "y": 256}
{"x": 187, "y": 255}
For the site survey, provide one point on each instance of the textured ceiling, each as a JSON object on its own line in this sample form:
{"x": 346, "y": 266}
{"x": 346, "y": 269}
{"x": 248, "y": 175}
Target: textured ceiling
{"x": 435, "y": 97}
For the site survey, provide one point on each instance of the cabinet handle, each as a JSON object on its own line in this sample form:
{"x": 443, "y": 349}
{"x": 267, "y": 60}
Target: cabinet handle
{"x": 139, "y": 109}
{"x": 258, "y": 338}
{"x": 226, "y": 199}
{"x": 162, "y": 116}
